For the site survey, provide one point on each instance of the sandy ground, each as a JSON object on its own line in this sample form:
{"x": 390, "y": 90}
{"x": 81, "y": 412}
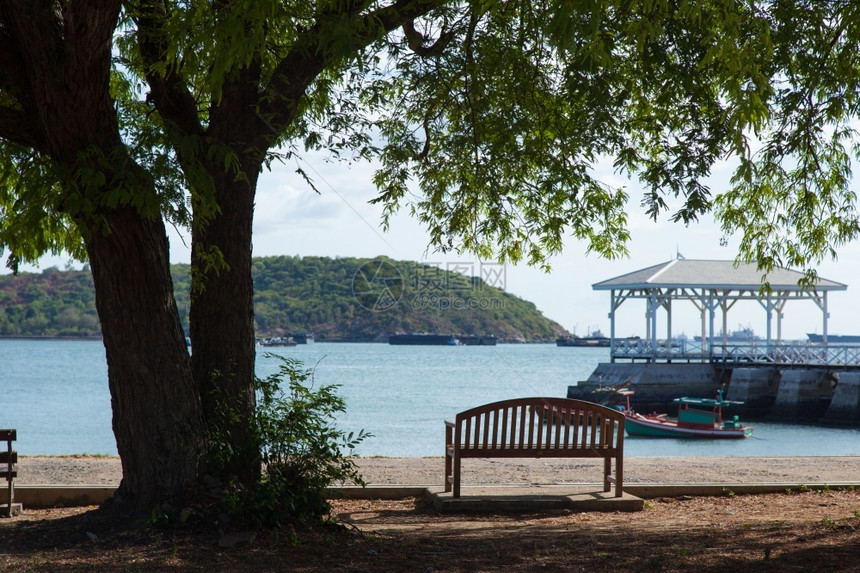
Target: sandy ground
{"x": 75, "y": 470}
{"x": 794, "y": 530}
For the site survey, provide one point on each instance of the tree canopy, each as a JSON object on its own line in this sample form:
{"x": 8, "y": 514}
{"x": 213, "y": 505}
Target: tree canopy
{"x": 487, "y": 117}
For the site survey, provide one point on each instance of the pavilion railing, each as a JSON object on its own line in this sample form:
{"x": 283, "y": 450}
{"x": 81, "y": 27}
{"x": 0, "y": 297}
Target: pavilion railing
{"x": 751, "y": 353}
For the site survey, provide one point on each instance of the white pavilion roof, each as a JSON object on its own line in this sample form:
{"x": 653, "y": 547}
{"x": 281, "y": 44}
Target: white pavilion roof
{"x": 716, "y": 275}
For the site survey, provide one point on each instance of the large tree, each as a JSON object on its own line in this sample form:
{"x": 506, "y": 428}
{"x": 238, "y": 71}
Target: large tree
{"x": 69, "y": 177}
{"x": 497, "y": 109}
{"x": 494, "y": 111}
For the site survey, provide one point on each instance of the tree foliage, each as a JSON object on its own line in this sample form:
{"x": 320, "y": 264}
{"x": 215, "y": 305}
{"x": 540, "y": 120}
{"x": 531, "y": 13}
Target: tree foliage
{"x": 791, "y": 200}
{"x": 301, "y": 448}
{"x": 488, "y": 117}
{"x": 52, "y": 303}
{"x": 326, "y": 296}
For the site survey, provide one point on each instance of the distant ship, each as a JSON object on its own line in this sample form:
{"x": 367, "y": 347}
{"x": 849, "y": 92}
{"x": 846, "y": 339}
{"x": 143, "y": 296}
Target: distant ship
{"x": 834, "y": 338}
{"x": 486, "y": 340}
{"x": 595, "y": 339}
{"x": 423, "y": 339}
{"x": 302, "y": 337}
{"x": 742, "y": 334}
{"x": 276, "y": 341}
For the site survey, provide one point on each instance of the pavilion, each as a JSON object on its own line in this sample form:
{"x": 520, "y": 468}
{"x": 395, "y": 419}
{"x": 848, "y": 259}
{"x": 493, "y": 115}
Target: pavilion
{"x": 713, "y": 287}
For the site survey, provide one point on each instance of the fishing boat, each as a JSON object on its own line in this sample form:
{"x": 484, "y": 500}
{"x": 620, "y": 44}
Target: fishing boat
{"x": 697, "y": 418}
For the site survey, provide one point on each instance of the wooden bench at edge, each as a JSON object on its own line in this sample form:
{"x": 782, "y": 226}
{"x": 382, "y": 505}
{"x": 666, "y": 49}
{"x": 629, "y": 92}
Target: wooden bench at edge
{"x": 8, "y": 467}
{"x": 536, "y": 428}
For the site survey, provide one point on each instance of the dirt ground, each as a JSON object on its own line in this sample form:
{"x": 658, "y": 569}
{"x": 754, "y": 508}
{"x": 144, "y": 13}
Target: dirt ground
{"x": 799, "y": 530}
{"x": 796, "y": 531}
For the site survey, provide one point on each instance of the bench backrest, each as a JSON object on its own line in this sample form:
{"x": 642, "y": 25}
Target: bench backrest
{"x": 8, "y": 469}
{"x": 540, "y": 425}
{"x": 8, "y": 457}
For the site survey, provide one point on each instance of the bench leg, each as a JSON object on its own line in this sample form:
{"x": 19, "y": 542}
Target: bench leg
{"x": 449, "y": 452}
{"x": 10, "y": 498}
{"x": 456, "y": 493}
{"x": 607, "y": 474}
{"x": 11, "y": 458}
{"x": 619, "y": 476}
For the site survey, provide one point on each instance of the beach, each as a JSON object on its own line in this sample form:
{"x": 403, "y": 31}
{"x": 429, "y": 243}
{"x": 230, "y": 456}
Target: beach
{"x": 428, "y": 471}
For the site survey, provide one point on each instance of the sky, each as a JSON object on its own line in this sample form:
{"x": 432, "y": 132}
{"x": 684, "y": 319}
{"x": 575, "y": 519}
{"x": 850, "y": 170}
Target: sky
{"x": 293, "y": 220}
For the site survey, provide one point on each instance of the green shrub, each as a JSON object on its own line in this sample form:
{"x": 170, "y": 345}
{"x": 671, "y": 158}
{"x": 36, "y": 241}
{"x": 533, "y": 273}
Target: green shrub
{"x": 302, "y": 451}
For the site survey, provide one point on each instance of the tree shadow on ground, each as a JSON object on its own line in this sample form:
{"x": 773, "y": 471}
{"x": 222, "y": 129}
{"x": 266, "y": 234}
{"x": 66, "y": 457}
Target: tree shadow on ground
{"x": 763, "y": 533}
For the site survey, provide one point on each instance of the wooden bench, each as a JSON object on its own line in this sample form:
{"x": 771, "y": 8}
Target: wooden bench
{"x": 536, "y": 428}
{"x": 9, "y": 467}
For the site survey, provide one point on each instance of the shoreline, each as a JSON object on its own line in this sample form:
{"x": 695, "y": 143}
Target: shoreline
{"x": 800, "y": 470}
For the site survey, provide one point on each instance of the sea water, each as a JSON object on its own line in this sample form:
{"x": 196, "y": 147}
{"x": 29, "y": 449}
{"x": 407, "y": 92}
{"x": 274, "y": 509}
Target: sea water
{"x": 56, "y": 394}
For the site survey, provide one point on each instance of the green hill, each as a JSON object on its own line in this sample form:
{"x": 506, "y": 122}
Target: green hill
{"x": 336, "y": 299}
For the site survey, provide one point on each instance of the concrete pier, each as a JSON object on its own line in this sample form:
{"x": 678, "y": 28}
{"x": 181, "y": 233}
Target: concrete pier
{"x": 803, "y": 396}
{"x": 655, "y": 386}
{"x": 844, "y": 408}
{"x": 768, "y": 393}
{"x": 755, "y": 387}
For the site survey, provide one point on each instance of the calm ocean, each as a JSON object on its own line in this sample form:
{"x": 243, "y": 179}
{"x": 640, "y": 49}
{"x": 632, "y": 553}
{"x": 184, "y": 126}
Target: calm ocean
{"x": 55, "y": 393}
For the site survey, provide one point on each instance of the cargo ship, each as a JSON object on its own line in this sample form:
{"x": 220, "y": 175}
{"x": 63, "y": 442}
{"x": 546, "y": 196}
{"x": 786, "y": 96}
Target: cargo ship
{"x": 588, "y": 341}
{"x": 834, "y": 338}
{"x": 486, "y": 340}
{"x": 742, "y": 334}
{"x": 302, "y": 337}
{"x": 595, "y": 339}
{"x": 423, "y": 339}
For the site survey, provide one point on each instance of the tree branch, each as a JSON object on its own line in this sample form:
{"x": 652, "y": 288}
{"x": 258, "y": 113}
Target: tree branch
{"x": 172, "y": 98}
{"x": 18, "y": 127}
{"x": 315, "y": 50}
{"x": 46, "y": 48}
{"x": 416, "y": 40}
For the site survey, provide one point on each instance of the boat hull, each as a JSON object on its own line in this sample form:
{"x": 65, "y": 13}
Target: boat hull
{"x": 834, "y": 338}
{"x": 488, "y": 340}
{"x": 646, "y": 427}
{"x": 423, "y": 340}
{"x": 593, "y": 342}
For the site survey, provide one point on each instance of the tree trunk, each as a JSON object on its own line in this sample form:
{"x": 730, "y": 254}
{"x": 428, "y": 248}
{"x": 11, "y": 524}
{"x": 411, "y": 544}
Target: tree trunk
{"x": 221, "y": 322}
{"x": 221, "y": 316}
{"x": 156, "y": 410}
{"x": 55, "y": 60}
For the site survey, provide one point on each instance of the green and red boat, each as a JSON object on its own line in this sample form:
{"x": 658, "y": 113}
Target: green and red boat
{"x": 697, "y": 418}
